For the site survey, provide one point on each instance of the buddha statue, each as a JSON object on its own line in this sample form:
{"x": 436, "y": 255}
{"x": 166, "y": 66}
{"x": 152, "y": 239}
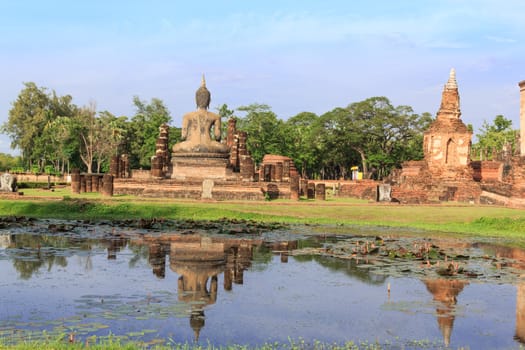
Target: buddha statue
{"x": 197, "y": 129}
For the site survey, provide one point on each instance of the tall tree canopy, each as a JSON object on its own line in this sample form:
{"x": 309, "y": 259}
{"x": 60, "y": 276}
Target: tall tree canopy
{"x": 265, "y": 131}
{"x": 144, "y": 130}
{"x": 495, "y": 138}
{"x": 373, "y": 134}
{"x": 300, "y": 133}
{"x": 8, "y": 161}
{"x": 31, "y": 113}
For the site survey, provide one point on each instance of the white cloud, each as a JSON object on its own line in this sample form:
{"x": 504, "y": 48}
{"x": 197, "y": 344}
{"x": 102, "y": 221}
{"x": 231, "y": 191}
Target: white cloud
{"x": 500, "y": 39}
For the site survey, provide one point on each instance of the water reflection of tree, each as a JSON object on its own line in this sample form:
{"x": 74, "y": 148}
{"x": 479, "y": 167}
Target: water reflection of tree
{"x": 32, "y": 252}
{"x": 349, "y": 266}
{"x": 26, "y": 268}
{"x": 30, "y": 257}
{"x": 140, "y": 252}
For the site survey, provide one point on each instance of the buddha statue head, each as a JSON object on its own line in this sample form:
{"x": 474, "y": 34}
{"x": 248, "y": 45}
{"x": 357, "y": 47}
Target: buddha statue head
{"x": 203, "y": 96}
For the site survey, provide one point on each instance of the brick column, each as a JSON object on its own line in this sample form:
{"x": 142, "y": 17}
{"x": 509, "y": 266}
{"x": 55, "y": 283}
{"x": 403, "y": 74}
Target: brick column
{"x": 247, "y": 168}
{"x": 294, "y": 188}
{"x": 75, "y": 180}
{"x": 107, "y": 185}
{"x": 232, "y": 128}
{"x": 279, "y": 172}
{"x": 267, "y": 172}
{"x": 114, "y": 166}
{"x": 303, "y": 184}
{"x": 124, "y": 166}
{"x": 89, "y": 184}
{"x": 95, "y": 182}
{"x": 310, "y": 190}
{"x": 320, "y": 192}
{"x": 286, "y": 171}
{"x": 156, "y": 167}
{"x": 82, "y": 183}
{"x": 522, "y": 118}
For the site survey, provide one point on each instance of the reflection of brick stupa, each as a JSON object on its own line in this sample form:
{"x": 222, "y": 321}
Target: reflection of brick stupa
{"x": 445, "y": 292}
{"x": 520, "y": 313}
{"x": 516, "y": 259}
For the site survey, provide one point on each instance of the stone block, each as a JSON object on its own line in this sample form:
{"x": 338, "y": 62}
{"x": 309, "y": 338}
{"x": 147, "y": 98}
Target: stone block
{"x": 384, "y": 192}
{"x": 200, "y": 168}
{"x": 207, "y": 189}
{"x": 8, "y": 183}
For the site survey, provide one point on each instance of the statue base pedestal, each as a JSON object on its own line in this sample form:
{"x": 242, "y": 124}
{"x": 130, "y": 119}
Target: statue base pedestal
{"x": 200, "y": 166}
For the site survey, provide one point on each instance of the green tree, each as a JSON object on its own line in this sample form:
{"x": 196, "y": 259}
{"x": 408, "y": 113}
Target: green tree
{"x": 372, "y": 133}
{"x": 61, "y": 144}
{"x": 27, "y": 119}
{"x": 87, "y": 127}
{"x": 225, "y": 114}
{"x": 8, "y": 162}
{"x": 495, "y": 138}
{"x": 265, "y": 131}
{"x": 337, "y": 143}
{"x": 112, "y": 135}
{"x": 32, "y": 111}
{"x": 299, "y": 132}
{"x": 144, "y": 130}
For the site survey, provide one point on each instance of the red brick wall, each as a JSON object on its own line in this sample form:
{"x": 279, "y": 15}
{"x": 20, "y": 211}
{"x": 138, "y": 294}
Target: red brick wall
{"x": 363, "y": 189}
{"x": 487, "y": 171}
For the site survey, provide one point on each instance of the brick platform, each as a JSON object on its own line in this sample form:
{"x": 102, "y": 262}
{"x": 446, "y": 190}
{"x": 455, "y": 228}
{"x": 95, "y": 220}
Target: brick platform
{"x": 193, "y": 189}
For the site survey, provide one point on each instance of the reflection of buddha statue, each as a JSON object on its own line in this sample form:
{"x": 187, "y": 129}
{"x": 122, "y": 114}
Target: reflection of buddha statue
{"x": 445, "y": 292}
{"x": 114, "y": 246}
{"x": 197, "y": 127}
{"x": 194, "y": 291}
{"x": 198, "y": 263}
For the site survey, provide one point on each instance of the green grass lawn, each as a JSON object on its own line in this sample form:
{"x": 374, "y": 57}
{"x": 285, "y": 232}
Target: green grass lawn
{"x": 455, "y": 218}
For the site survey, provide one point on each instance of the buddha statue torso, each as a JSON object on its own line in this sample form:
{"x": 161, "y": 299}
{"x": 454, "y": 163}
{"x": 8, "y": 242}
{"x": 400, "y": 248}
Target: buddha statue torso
{"x": 197, "y": 130}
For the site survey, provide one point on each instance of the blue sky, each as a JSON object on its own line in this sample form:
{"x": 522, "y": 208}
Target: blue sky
{"x": 294, "y": 55}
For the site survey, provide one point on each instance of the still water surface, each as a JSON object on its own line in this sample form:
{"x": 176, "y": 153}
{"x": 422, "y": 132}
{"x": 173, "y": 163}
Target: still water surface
{"x": 171, "y": 287}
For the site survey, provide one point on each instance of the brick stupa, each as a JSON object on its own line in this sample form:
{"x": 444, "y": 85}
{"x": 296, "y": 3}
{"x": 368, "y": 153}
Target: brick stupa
{"x": 445, "y": 174}
{"x": 447, "y": 141}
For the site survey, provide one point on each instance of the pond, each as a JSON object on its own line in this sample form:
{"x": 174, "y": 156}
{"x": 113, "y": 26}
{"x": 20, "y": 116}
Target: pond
{"x": 239, "y": 283}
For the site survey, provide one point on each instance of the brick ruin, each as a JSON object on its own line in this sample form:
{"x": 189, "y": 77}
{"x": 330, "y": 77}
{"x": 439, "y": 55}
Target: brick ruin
{"x": 161, "y": 160}
{"x": 522, "y": 117}
{"x": 280, "y": 169}
{"x": 447, "y": 172}
{"x": 240, "y": 160}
